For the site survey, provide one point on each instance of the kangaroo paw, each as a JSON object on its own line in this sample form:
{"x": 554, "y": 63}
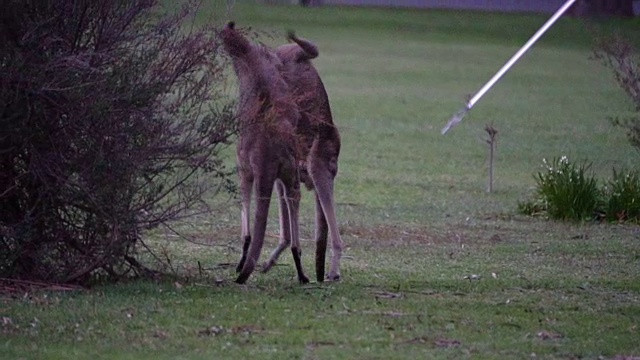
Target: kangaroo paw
{"x": 303, "y": 279}
{"x": 247, "y": 269}
{"x": 267, "y": 265}
{"x": 242, "y": 278}
{"x": 320, "y": 270}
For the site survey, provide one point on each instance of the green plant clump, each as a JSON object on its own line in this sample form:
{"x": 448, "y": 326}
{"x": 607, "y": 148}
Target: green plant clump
{"x": 623, "y": 196}
{"x": 570, "y": 194}
{"x": 565, "y": 191}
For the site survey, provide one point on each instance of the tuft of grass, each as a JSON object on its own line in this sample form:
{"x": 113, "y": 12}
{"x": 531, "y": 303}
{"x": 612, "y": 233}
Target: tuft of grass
{"x": 623, "y": 196}
{"x": 567, "y": 190}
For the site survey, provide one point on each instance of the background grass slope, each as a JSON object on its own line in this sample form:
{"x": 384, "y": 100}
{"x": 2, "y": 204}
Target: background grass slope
{"x": 434, "y": 266}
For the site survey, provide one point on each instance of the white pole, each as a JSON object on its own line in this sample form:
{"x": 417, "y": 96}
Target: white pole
{"x": 458, "y": 117}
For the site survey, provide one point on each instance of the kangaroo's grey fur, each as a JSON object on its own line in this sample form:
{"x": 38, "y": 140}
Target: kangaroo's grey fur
{"x": 267, "y": 148}
{"x": 319, "y": 147}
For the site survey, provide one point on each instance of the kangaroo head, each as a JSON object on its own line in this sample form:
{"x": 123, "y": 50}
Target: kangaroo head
{"x": 262, "y": 88}
{"x": 234, "y": 42}
{"x": 258, "y": 57}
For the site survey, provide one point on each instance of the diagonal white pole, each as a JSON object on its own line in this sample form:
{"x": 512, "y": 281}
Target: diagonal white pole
{"x": 460, "y": 114}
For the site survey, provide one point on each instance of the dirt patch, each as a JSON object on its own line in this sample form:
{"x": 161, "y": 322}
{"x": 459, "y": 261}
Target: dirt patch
{"x": 14, "y": 288}
{"x": 443, "y": 343}
{"x": 392, "y": 235}
{"x": 378, "y": 235}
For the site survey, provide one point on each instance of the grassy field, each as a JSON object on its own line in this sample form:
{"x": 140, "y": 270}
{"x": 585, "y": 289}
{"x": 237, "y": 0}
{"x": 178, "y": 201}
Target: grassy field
{"x": 435, "y": 267}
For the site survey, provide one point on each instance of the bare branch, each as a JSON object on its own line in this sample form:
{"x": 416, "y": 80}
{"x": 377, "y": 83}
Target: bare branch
{"x": 106, "y": 107}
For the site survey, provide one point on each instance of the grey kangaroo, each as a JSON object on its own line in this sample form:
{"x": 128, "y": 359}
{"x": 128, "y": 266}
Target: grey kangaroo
{"x": 318, "y": 150}
{"x": 267, "y": 147}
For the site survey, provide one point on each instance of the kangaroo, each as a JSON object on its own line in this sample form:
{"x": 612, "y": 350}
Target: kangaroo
{"x": 267, "y": 147}
{"x": 319, "y": 147}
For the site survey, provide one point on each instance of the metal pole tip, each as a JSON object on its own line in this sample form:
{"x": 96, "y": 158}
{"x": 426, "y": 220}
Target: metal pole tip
{"x": 455, "y": 120}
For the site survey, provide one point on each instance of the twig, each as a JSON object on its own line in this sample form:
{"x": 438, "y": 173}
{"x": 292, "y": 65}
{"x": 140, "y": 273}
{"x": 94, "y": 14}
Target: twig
{"x": 16, "y": 285}
{"x": 492, "y": 141}
{"x": 183, "y": 237}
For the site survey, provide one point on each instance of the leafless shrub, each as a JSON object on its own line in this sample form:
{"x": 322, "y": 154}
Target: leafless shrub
{"x": 620, "y": 56}
{"x": 112, "y": 118}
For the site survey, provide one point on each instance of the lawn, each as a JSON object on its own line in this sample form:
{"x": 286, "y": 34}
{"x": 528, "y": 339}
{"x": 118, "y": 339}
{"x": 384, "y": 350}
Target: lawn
{"x": 435, "y": 267}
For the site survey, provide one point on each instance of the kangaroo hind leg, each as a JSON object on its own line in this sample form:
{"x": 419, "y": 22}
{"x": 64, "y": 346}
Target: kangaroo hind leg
{"x": 263, "y": 189}
{"x": 246, "y": 187}
{"x": 292, "y": 198}
{"x": 323, "y": 177}
{"x": 320, "y": 240}
{"x": 289, "y": 229}
{"x": 285, "y": 228}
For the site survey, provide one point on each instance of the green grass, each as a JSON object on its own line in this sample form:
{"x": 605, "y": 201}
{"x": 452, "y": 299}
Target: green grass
{"x": 412, "y": 209}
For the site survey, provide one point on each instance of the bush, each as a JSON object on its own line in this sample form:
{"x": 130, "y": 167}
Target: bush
{"x": 623, "y": 196}
{"x": 565, "y": 191}
{"x": 622, "y": 58}
{"x": 112, "y": 118}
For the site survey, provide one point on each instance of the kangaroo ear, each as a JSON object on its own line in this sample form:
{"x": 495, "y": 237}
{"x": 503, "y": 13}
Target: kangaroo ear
{"x": 230, "y": 25}
{"x": 291, "y": 35}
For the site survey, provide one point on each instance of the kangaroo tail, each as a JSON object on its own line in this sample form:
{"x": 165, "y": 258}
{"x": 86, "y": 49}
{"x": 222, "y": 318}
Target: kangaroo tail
{"x": 310, "y": 50}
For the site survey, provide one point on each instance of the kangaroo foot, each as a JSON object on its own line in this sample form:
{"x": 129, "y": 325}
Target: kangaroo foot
{"x": 242, "y": 278}
{"x": 246, "y": 271}
{"x": 298, "y": 262}
{"x": 320, "y": 272}
{"x": 303, "y": 279}
{"x": 267, "y": 265}
{"x": 240, "y": 266}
